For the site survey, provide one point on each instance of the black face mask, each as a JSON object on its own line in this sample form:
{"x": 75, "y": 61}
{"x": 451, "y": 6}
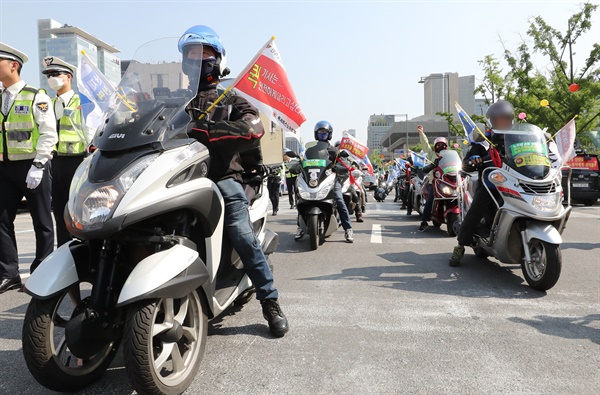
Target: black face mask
{"x": 203, "y": 72}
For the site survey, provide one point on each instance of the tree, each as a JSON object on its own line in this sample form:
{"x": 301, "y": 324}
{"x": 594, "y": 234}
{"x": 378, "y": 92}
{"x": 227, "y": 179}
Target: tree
{"x": 568, "y": 89}
{"x": 375, "y": 158}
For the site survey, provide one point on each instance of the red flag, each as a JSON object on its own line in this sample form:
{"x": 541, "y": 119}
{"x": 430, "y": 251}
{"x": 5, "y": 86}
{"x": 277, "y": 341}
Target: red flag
{"x": 264, "y": 83}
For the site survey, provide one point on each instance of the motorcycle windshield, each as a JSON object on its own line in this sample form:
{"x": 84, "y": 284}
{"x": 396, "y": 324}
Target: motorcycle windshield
{"x": 148, "y": 106}
{"x": 450, "y": 162}
{"x": 316, "y": 162}
{"x": 527, "y": 151}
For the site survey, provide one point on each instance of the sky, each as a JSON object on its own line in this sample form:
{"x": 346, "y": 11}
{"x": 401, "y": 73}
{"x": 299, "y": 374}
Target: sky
{"x": 345, "y": 60}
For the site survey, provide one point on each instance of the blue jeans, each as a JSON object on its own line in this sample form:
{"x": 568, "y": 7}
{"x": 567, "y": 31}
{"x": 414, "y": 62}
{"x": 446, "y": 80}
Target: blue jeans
{"x": 428, "y": 203}
{"x": 244, "y": 241}
{"x": 341, "y": 206}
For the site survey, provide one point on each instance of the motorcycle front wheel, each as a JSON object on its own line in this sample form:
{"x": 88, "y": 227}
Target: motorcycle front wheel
{"x": 543, "y": 271}
{"x": 451, "y": 218}
{"x": 313, "y": 231}
{"x": 163, "y": 343}
{"x": 45, "y": 349}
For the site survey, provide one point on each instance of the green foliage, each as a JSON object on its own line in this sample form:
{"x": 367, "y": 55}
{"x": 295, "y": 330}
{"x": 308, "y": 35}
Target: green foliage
{"x": 375, "y": 158}
{"x": 525, "y": 84}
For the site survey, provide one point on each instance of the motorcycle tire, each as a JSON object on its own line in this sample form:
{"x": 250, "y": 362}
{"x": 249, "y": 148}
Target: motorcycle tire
{"x": 543, "y": 271}
{"x": 480, "y": 252}
{"x": 46, "y": 353}
{"x": 313, "y": 231}
{"x": 451, "y": 218}
{"x": 163, "y": 343}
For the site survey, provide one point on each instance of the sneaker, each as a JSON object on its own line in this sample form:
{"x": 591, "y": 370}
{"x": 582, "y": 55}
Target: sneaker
{"x": 278, "y": 324}
{"x": 408, "y": 212}
{"x": 457, "y": 254}
{"x": 423, "y": 226}
{"x": 359, "y": 217}
{"x": 274, "y": 212}
{"x": 349, "y": 235}
{"x": 299, "y": 234}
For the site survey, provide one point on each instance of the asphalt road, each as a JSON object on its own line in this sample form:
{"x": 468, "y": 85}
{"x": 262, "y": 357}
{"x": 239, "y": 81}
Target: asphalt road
{"x": 386, "y": 315}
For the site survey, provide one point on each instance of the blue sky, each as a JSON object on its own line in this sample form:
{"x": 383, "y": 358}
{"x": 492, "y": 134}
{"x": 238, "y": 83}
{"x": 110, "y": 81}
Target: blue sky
{"x": 345, "y": 59}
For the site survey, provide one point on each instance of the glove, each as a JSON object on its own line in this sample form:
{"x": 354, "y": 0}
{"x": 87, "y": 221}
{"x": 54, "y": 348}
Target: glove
{"x": 436, "y": 161}
{"x": 34, "y": 177}
{"x": 475, "y": 160}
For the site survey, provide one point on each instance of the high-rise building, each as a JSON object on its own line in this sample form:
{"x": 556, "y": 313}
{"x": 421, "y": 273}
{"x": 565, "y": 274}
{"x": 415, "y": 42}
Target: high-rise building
{"x": 351, "y": 132}
{"x": 442, "y": 90}
{"x": 379, "y": 126}
{"x": 67, "y": 42}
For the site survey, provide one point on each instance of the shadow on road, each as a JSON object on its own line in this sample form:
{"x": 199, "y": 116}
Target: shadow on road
{"x": 580, "y": 246}
{"x": 476, "y": 278}
{"x": 216, "y": 326}
{"x": 565, "y": 327}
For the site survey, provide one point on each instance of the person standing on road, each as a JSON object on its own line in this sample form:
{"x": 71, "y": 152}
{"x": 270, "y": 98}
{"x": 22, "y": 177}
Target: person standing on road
{"x": 72, "y": 142}
{"x": 27, "y": 140}
{"x": 324, "y": 133}
{"x": 439, "y": 145}
{"x": 273, "y": 185}
{"x": 290, "y": 179}
{"x": 230, "y": 130}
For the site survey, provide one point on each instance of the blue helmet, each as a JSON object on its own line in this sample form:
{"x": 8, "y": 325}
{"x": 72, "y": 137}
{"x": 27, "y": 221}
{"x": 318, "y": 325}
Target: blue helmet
{"x": 206, "y": 36}
{"x": 323, "y": 131}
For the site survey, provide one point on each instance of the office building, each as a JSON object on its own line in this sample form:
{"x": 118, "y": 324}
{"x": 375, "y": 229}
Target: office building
{"x": 378, "y": 127}
{"x": 67, "y": 42}
{"x": 441, "y": 91}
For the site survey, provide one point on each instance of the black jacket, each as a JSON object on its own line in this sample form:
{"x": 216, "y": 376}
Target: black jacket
{"x": 232, "y": 133}
{"x": 481, "y": 151}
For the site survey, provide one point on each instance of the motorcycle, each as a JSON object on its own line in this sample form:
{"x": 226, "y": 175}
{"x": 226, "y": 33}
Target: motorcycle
{"x": 353, "y": 194}
{"x": 382, "y": 191}
{"x": 151, "y": 264}
{"x": 530, "y": 217}
{"x": 317, "y": 175}
{"x": 445, "y": 203}
{"x": 418, "y": 182}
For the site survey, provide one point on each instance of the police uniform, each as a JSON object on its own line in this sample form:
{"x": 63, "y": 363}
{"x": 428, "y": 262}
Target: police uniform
{"x": 27, "y": 139}
{"x": 290, "y": 182}
{"x": 71, "y": 147}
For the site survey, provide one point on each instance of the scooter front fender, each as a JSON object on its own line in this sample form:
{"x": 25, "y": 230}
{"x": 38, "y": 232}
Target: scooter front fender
{"x": 542, "y": 231}
{"x": 56, "y": 273}
{"x": 172, "y": 273}
{"x": 452, "y": 210}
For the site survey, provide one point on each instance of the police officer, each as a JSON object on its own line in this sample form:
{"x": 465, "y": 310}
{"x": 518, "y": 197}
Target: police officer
{"x": 72, "y": 141}
{"x": 290, "y": 179}
{"x": 27, "y": 139}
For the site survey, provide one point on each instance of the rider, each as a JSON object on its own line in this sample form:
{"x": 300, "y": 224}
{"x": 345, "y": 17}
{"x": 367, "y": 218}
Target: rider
{"x": 324, "y": 132}
{"x": 356, "y": 198}
{"x": 439, "y": 145}
{"x": 231, "y": 131}
{"x": 500, "y": 116}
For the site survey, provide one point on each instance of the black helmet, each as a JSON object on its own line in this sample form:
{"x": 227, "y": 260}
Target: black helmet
{"x": 500, "y": 109}
{"x": 323, "y": 127}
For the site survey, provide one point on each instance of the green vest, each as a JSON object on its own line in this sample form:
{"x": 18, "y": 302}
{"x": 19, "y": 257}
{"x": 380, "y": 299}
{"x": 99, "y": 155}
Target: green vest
{"x": 287, "y": 171}
{"x": 71, "y": 140}
{"x": 20, "y": 132}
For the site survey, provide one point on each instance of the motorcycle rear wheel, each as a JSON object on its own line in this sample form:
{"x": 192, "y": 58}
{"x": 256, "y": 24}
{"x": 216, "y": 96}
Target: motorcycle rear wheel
{"x": 163, "y": 343}
{"x": 543, "y": 271}
{"x": 313, "y": 231}
{"x": 45, "y": 349}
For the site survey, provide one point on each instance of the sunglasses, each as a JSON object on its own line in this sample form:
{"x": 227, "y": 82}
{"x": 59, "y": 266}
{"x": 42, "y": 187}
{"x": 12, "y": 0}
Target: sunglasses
{"x": 54, "y": 74}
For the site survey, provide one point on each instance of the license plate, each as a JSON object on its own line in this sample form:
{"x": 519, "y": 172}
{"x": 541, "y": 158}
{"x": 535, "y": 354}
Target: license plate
{"x": 580, "y": 185}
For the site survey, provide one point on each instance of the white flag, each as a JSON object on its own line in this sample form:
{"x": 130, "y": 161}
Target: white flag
{"x": 565, "y": 138}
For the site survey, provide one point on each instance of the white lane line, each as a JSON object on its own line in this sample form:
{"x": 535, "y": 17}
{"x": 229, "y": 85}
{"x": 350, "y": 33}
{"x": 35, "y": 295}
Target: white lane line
{"x": 376, "y": 234}
{"x": 24, "y": 231}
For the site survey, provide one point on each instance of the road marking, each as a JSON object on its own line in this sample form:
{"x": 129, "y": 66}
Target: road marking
{"x": 24, "y": 231}
{"x": 376, "y": 234}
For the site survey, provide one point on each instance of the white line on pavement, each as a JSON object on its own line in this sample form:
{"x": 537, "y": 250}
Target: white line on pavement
{"x": 376, "y": 234}
{"x": 24, "y": 231}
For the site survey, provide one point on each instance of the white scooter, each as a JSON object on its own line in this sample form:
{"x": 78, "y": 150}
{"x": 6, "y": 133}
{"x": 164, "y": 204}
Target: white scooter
{"x": 151, "y": 264}
{"x": 530, "y": 219}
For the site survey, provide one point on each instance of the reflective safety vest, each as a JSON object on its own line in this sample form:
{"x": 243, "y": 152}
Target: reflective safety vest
{"x": 287, "y": 170}
{"x": 71, "y": 140}
{"x": 20, "y": 132}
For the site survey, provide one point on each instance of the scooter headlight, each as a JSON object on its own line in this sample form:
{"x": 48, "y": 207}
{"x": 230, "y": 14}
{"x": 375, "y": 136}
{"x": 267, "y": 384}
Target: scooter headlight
{"x": 546, "y": 202}
{"x": 90, "y": 205}
{"x": 448, "y": 191}
{"x": 324, "y": 189}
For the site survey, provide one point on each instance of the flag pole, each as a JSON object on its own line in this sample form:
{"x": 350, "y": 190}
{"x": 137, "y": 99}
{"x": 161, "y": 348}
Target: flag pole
{"x": 237, "y": 79}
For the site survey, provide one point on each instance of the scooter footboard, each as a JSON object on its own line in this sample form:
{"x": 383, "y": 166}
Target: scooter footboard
{"x": 57, "y": 272}
{"x": 172, "y": 273}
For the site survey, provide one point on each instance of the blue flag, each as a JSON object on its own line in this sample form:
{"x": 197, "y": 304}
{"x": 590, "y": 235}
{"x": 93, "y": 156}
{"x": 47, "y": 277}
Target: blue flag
{"x": 418, "y": 160}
